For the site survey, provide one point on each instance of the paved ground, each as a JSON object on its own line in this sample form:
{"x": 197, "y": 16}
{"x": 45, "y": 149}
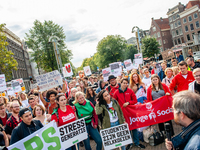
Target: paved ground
{"x": 177, "y": 129}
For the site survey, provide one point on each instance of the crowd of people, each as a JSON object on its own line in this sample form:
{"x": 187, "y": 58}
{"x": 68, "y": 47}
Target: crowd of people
{"x": 100, "y": 103}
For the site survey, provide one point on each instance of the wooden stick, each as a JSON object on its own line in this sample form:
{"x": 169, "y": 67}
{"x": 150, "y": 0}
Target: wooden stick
{"x": 76, "y": 146}
{"x": 120, "y": 148}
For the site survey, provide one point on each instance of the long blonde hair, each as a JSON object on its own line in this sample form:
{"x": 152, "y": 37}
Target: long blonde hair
{"x": 77, "y": 95}
{"x": 132, "y": 82}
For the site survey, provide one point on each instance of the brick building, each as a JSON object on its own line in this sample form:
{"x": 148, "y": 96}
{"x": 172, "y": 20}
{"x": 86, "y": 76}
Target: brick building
{"x": 160, "y": 29}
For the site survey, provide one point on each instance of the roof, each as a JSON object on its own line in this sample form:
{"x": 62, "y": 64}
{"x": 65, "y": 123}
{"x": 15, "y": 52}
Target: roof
{"x": 192, "y": 3}
{"x": 163, "y": 23}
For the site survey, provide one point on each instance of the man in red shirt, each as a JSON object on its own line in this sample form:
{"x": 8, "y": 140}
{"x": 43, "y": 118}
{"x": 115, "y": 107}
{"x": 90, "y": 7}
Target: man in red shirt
{"x": 113, "y": 86}
{"x": 182, "y": 79}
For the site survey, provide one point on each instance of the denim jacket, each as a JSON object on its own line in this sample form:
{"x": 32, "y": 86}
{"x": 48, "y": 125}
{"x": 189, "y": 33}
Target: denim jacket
{"x": 189, "y": 138}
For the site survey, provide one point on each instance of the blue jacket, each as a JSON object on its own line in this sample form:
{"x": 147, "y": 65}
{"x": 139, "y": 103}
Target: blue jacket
{"x": 189, "y": 138}
{"x": 162, "y": 75}
{"x": 180, "y": 58}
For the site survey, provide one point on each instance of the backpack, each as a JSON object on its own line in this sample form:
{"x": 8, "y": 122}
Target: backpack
{"x": 109, "y": 88}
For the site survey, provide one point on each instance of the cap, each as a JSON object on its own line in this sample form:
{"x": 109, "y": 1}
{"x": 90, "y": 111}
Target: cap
{"x": 111, "y": 77}
{"x": 23, "y": 111}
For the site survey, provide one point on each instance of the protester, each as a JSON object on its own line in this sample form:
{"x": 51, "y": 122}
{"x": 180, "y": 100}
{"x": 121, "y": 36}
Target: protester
{"x": 169, "y": 76}
{"x": 179, "y": 57}
{"x": 147, "y": 79}
{"x": 13, "y": 120}
{"x": 110, "y": 110}
{"x": 101, "y": 86}
{"x": 3, "y": 115}
{"x": 26, "y": 127}
{"x": 161, "y": 74}
{"x": 136, "y": 82}
{"x": 186, "y": 106}
{"x": 24, "y": 99}
{"x": 39, "y": 113}
{"x": 82, "y": 86}
{"x": 63, "y": 114}
{"x": 125, "y": 96}
{"x": 85, "y": 109}
{"x": 156, "y": 90}
{"x": 118, "y": 79}
{"x": 73, "y": 92}
{"x": 174, "y": 62}
{"x": 3, "y": 100}
{"x": 175, "y": 70}
{"x": 155, "y": 70}
{"x": 32, "y": 103}
{"x": 113, "y": 86}
{"x": 193, "y": 65}
{"x": 182, "y": 79}
{"x": 4, "y": 141}
{"x": 141, "y": 73}
{"x": 195, "y": 85}
{"x": 8, "y": 109}
{"x": 190, "y": 53}
{"x": 90, "y": 95}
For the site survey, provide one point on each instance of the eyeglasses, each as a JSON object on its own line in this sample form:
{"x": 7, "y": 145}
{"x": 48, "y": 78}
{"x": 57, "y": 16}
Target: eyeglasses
{"x": 16, "y": 107}
{"x": 197, "y": 76}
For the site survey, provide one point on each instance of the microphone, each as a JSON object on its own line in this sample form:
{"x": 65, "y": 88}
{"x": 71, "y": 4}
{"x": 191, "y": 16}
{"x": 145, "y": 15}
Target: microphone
{"x": 168, "y": 129}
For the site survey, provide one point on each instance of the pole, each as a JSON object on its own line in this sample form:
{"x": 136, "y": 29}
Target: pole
{"x": 120, "y": 148}
{"x": 76, "y": 146}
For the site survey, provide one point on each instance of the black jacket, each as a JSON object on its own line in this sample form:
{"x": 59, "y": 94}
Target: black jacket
{"x": 8, "y": 116}
{"x": 23, "y": 130}
{"x": 70, "y": 101}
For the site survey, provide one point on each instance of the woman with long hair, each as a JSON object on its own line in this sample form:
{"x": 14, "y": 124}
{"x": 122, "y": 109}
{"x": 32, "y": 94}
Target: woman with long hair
{"x": 112, "y": 114}
{"x": 90, "y": 95}
{"x": 135, "y": 82}
{"x": 85, "y": 109}
{"x": 82, "y": 86}
{"x": 156, "y": 90}
{"x": 24, "y": 99}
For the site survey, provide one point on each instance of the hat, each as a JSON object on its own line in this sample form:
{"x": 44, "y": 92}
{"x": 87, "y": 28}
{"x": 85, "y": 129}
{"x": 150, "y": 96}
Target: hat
{"x": 111, "y": 77}
{"x": 77, "y": 84}
{"x": 23, "y": 111}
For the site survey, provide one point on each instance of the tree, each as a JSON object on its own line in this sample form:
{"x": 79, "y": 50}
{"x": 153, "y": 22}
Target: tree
{"x": 110, "y": 49}
{"x": 150, "y": 46}
{"x": 43, "y": 53}
{"x": 7, "y": 62}
{"x": 130, "y": 51}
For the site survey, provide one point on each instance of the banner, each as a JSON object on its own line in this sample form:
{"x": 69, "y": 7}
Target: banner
{"x": 138, "y": 58}
{"x": 73, "y": 133}
{"x": 115, "y": 69}
{"x": 87, "y": 70}
{"x": 150, "y": 113}
{"x": 46, "y": 138}
{"x": 116, "y": 137}
{"x": 68, "y": 70}
{"x": 2, "y": 83}
{"x": 106, "y": 72}
{"x": 168, "y": 54}
{"x": 128, "y": 64}
{"x": 16, "y": 86}
{"x": 49, "y": 80}
{"x": 21, "y": 82}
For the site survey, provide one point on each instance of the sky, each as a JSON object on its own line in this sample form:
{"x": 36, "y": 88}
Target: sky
{"x": 85, "y": 22}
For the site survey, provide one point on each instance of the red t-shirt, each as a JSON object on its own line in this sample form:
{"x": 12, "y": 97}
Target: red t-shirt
{"x": 64, "y": 117}
{"x": 4, "y": 120}
{"x": 50, "y": 107}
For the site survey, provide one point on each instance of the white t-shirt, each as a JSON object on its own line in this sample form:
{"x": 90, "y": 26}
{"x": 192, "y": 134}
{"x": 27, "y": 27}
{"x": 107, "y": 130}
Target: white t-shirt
{"x": 147, "y": 82}
{"x": 112, "y": 113}
{"x": 25, "y": 103}
{"x": 185, "y": 76}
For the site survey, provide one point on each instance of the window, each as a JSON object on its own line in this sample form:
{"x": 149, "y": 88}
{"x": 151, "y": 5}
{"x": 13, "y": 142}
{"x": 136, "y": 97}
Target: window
{"x": 180, "y": 31}
{"x": 193, "y": 35}
{"x": 179, "y": 23}
{"x": 155, "y": 35}
{"x": 160, "y": 42}
{"x": 191, "y": 27}
{"x": 179, "y": 41}
{"x": 184, "y": 20}
{"x": 175, "y": 42}
{"x": 172, "y": 26}
{"x": 186, "y": 28}
{"x": 158, "y": 34}
{"x": 176, "y": 32}
{"x": 163, "y": 41}
{"x": 174, "y": 17}
{"x": 190, "y": 18}
{"x": 163, "y": 34}
{"x": 173, "y": 34}
{"x": 175, "y": 25}
{"x": 161, "y": 49}
{"x": 188, "y": 37}
{"x": 177, "y": 15}
{"x": 154, "y": 29}
{"x": 170, "y": 19}
{"x": 195, "y": 16}
{"x": 197, "y": 24}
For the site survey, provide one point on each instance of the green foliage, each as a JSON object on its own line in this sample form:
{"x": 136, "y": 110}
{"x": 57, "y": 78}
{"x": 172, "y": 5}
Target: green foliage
{"x": 43, "y": 53}
{"x": 7, "y": 62}
{"x": 150, "y": 46}
{"x": 130, "y": 51}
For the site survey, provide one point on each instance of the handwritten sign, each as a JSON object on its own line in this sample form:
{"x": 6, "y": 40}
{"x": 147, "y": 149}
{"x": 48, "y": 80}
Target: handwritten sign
{"x": 168, "y": 54}
{"x": 67, "y": 70}
{"x": 2, "y": 82}
{"x": 106, "y": 72}
{"x": 87, "y": 70}
{"x": 138, "y": 58}
{"x": 115, "y": 69}
{"x": 128, "y": 64}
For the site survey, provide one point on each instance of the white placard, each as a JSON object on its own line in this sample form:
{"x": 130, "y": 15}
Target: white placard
{"x": 116, "y": 137}
{"x": 21, "y": 82}
{"x": 10, "y": 91}
{"x": 128, "y": 64}
{"x": 73, "y": 133}
{"x": 135, "y": 64}
{"x": 87, "y": 70}
{"x": 115, "y": 69}
{"x": 68, "y": 70}
{"x": 138, "y": 58}
{"x": 49, "y": 80}
{"x": 16, "y": 86}
{"x": 106, "y": 72}
{"x": 2, "y": 83}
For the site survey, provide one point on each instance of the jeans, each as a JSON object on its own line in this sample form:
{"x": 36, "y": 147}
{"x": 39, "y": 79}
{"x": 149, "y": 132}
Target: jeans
{"x": 73, "y": 147}
{"x": 95, "y": 135}
{"x": 112, "y": 124}
{"x": 134, "y": 134}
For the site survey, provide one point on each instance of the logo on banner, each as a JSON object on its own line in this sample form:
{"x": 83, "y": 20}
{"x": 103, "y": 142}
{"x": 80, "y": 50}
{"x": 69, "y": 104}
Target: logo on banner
{"x": 152, "y": 114}
{"x": 68, "y": 68}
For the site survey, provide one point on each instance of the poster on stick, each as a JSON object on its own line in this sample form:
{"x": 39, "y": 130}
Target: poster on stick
{"x": 10, "y": 91}
{"x": 128, "y": 64}
{"x": 49, "y": 80}
{"x": 168, "y": 54}
{"x": 106, "y": 72}
{"x": 135, "y": 64}
{"x": 16, "y": 86}
{"x": 2, "y": 83}
{"x": 21, "y": 82}
{"x": 138, "y": 58}
{"x": 73, "y": 133}
{"x": 115, "y": 69}
{"x": 87, "y": 70}
{"x": 116, "y": 136}
{"x": 69, "y": 71}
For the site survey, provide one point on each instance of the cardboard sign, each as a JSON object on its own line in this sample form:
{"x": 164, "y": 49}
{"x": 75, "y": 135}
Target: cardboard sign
{"x": 73, "y": 133}
{"x": 87, "y": 70}
{"x": 115, "y": 69}
{"x": 168, "y": 54}
{"x": 49, "y": 80}
{"x": 67, "y": 72}
{"x": 128, "y": 64}
{"x": 16, "y": 86}
{"x": 116, "y": 137}
{"x": 138, "y": 58}
{"x": 2, "y": 82}
{"x": 21, "y": 82}
{"x": 46, "y": 138}
{"x": 106, "y": 72}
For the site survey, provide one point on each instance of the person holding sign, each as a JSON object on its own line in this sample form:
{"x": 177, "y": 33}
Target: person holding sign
{"x": 85, "y": 109}
{"x": 63, "y": 114}
{"x": 110, "y": 110}
{"x": 136, "y": 82}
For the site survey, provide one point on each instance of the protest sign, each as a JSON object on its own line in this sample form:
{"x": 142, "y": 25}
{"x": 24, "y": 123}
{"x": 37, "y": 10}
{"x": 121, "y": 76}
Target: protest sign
{"x": 73, "y": 133}
{"x": 168, "y": 54}
{"x": 128, "y": 64}
{"x": 49, "y": 80}
{"x": 138, "y": 58}
{"x": 3, "y": 94}
{"x": 135, "y": 64}
{"x": 87, "y": 70}
{"x": 16, "y": 86}
{"x": 21, "y": 82}
{"x": 69, "y": 71}
{"x": 106, "y": 72}
{"x": 45, "y": 138}
{"x": 64, "y": 71}
{"x": 150, "y": 113}
{"x": 33, "y": 86}
{"x": 115, "y": 69}
{"x": 10, "y": 91}
{"x": 2, "y": 82}
{"x": 116, "y": 136}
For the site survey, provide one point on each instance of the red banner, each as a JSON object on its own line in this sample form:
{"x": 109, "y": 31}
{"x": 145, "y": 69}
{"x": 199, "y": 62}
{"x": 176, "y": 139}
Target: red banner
{"x": 150, "y": 113}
